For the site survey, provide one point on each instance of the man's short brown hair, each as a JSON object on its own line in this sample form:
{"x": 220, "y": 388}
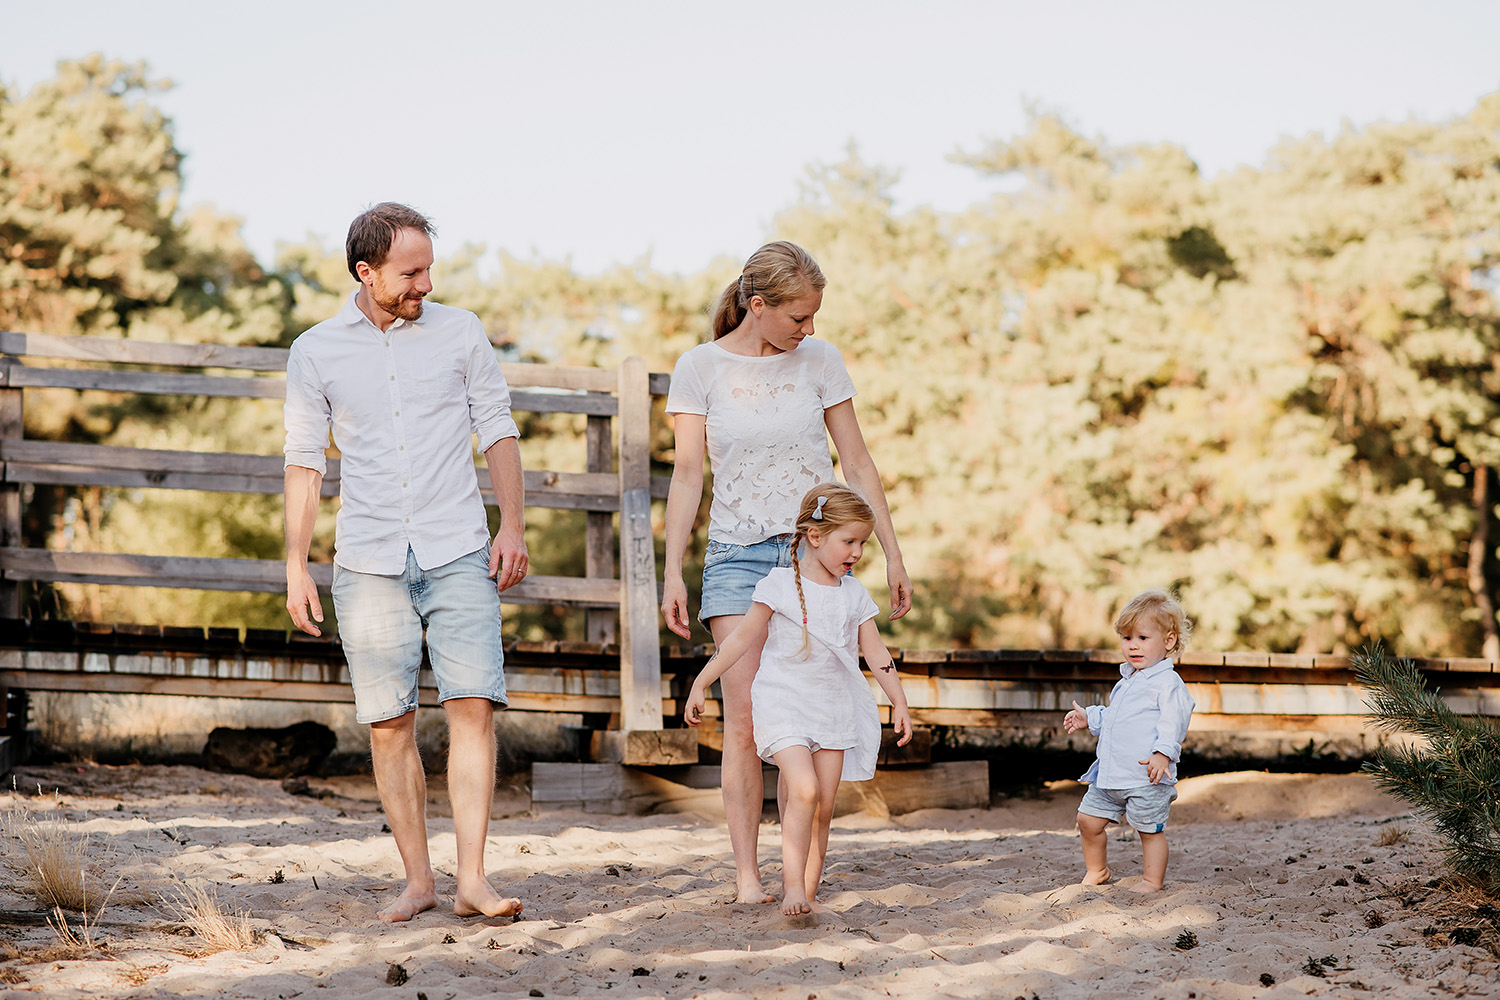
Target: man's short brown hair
{"x": 374, "y": 230}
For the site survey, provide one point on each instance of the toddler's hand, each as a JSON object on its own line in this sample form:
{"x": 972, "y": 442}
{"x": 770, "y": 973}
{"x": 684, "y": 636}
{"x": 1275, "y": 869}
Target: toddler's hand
{"x": 1076, "y": 719}
{"x": 1158, "y": 766}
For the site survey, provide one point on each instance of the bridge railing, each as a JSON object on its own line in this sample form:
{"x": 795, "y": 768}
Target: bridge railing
{"x": 620, "y": 607}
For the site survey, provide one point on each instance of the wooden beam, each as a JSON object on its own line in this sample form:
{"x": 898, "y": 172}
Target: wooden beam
{"x": 143, "y": 352}
{"x": 640, "y": 652}
{"x": 12, "y": 427}
{"x": 252, "y": 575}
{"x": 651, "y": 746}
{"x": 600, "y": 624}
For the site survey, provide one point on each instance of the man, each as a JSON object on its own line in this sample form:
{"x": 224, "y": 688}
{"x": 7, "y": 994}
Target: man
{"x": 403, "y": 383}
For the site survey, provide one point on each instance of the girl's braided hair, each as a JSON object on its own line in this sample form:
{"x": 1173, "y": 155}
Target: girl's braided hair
{"x": 826, "y": 506}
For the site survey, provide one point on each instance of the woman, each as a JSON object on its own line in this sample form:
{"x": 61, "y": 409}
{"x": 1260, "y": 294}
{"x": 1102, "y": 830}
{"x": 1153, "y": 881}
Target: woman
{"x": 762, "y": 399}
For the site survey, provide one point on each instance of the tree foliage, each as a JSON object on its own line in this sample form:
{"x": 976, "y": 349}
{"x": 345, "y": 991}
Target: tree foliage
{"x": 1274, "y": 389}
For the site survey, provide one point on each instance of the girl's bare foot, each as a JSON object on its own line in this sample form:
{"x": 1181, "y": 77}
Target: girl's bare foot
{"x": 1096, "y": 878}
{"x": 407, "y": 905}
{"x": 753, "y": 892}
{"x": 795, "y": 905}
{"x": 483, "y": 899}
{"x": 1144, "y": 886}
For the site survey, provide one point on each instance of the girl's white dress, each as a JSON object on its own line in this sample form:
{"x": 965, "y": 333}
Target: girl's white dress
{"x": 824, "y": 700}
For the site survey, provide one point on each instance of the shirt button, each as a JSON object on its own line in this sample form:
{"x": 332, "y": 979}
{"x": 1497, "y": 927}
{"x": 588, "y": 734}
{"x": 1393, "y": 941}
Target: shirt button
{"x": 393, "y": 378}
{"x": 398, "y": 413}
{"x": 407, "y": 520}
{"x": 403, "y": 486}
{"x": 401, "y": 447}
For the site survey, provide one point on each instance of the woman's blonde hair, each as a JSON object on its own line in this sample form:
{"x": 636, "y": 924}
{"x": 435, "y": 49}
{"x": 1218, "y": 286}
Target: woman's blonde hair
{"x": 825, "y": 507}
{"x": 777, "y": 272}
{"x": 1163, "y": 610}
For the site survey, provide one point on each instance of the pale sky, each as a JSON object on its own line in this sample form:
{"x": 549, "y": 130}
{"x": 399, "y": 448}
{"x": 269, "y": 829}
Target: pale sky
{"x": 603, "y": 131}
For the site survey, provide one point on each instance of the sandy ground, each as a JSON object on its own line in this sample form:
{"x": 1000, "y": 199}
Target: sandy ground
{"x": 1273, "y": 878}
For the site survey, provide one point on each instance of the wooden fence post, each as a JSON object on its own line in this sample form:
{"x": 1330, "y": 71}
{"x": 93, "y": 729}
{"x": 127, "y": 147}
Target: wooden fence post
{"x": 599, "y": 538}
{"x": 641, "y": 738}
{"x": 12, "y": 427}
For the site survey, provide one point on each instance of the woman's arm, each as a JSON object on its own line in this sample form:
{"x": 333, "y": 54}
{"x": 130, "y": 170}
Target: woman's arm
{"x": 860, "y": 472}
{"x": 883, "y": 666}
{"x": 736, "y": 645}
{"x": 683, "y": 497}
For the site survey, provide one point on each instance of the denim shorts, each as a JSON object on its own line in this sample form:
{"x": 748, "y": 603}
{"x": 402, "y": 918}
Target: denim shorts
{"x": 730, "y": 573}
{"x": 1145, "y": 808}
{"x": 381, "y": 619}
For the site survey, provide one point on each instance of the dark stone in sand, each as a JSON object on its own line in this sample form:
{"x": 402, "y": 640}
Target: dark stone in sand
{"x": 270, "y": 753}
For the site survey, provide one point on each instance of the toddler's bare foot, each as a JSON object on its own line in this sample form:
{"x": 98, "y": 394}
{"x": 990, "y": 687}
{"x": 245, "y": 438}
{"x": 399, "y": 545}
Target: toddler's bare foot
{"x": 795, "y": 905}
{"x": 813, "y": 906}
{"x": 483, "y": 899}
{"x": 1096, "y": 877}
{"x": 753, "y": 892}
{"x": 1143, "y": 886}
{"x": 407, "y": 905}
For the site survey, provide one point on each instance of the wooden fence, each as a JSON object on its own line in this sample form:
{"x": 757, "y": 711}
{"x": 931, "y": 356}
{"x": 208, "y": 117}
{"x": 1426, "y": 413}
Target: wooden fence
{"x": 609, "y": 399}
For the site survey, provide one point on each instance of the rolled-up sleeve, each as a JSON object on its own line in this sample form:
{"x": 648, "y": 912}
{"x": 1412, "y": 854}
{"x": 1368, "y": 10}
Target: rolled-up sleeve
{"x": 307, "y": 415}
{"x": 1096, "y": 717}
{"x": 489, "y": 394}
{"x": 1172, "y": 726}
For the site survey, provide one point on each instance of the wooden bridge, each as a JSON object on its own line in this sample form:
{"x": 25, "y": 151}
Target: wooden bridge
{"x": 619, "y": 677}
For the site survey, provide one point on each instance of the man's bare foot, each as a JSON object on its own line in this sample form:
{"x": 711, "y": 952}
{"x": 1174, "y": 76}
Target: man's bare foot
{"x": 408, "y": 905}
{"x": 753, "y": 892}
{"x": 795, "y": 905}
{"x": 1143, "y": 886}
{"x": 1096, "y": 878}
{"x": 484, "y": 900}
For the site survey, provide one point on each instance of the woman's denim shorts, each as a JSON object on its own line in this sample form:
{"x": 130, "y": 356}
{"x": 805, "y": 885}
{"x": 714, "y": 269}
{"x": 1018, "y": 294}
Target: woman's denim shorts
{"x": 730, "y": 573}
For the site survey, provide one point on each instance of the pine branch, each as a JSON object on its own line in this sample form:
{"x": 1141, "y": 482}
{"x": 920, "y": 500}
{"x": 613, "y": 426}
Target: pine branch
{"x": 1450, "y": 776}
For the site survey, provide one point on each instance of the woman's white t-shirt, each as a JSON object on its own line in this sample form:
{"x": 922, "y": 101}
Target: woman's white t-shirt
{"x": 767, "y": 443}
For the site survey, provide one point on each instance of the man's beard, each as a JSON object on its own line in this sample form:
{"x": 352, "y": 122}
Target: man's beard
{"x": 402, "y": 307}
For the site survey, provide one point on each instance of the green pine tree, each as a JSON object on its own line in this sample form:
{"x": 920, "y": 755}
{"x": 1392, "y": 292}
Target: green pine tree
{"x": 1450, "y": 774}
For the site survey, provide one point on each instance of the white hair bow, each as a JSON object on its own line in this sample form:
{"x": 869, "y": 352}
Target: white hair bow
{"x": 817, "y": 514}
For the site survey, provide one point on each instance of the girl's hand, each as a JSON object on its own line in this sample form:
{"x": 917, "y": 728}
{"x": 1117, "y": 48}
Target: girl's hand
{"x": 674, "y": 607}
{"x": 1077, "y": 719}
{"x": 692, "y": 711}
{"x": 900, "y": 584}
{"x": 901, "y": 723}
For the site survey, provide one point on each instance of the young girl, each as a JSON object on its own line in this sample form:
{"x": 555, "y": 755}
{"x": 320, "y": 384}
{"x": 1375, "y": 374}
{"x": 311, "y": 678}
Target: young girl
{"x": 811, "y": 707}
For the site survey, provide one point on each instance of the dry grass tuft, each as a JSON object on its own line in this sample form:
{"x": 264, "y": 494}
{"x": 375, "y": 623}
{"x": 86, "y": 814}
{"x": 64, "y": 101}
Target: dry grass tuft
{"x": 53, "y": 860}
{"x": 140, "y": 975}
{"x": 1391, "y": 836}
{"x": 220, "y": 929}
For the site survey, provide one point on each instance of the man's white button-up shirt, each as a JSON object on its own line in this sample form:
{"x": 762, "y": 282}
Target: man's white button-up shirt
{"x": 402, "y": 405}
{"x": 1148, "y": 712}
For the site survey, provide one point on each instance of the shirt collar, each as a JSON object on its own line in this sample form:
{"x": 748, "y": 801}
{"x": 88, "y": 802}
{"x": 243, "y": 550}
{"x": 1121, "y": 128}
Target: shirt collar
{"x": 1155, "y": 668}
{"x": 353, "y": 315}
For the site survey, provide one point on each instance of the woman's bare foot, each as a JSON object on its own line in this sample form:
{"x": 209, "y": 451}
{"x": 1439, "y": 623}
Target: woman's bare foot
{"x": 1096, "y": 878}
{"x": 1143, "y": 886}
{"x": 795, "y": 905}
{"x": 408, "y": 905}
{"x": 484, "y": 900}
{"x": 753, "y": 892}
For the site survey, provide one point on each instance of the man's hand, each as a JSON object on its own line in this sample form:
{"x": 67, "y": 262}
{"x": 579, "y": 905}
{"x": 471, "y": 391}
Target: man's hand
{"x": 302, "y": 600}
{"x": 508, "y": 559}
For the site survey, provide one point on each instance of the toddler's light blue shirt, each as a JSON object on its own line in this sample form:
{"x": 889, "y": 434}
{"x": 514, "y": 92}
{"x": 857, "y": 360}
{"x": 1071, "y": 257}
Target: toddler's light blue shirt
{"x": 1148, "y": 712}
